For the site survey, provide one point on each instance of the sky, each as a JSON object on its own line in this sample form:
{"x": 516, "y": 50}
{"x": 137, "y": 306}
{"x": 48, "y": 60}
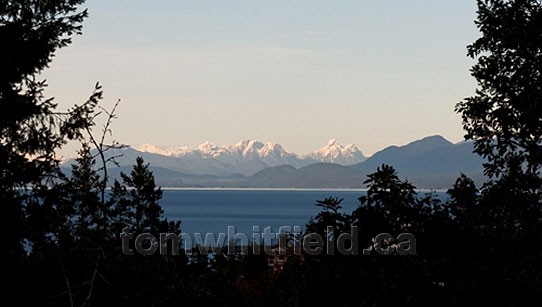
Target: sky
{"x": 373, "y": 73}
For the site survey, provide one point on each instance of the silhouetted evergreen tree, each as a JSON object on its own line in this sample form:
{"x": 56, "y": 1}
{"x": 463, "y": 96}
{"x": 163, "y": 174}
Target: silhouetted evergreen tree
{"x": 138, "y": 199}
{"x": 31, "y": 128}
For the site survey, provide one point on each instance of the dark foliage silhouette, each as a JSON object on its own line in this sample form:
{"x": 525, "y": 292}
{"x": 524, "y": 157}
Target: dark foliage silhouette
{"x": 480, "y": 246}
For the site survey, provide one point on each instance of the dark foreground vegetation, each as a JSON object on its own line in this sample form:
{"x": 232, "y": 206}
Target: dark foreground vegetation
{"x": 60, "y": 244}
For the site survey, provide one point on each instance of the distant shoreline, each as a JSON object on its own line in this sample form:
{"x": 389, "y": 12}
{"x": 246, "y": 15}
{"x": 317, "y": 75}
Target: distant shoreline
{"x": 283, "y": 189}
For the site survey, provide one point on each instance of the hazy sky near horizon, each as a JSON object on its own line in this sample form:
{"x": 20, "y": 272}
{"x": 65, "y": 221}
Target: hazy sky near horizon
{"x": 298, "y": 73}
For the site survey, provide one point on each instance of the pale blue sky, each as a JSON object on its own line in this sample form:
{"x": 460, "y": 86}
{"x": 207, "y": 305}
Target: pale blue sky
{"x": 298, "y": 73}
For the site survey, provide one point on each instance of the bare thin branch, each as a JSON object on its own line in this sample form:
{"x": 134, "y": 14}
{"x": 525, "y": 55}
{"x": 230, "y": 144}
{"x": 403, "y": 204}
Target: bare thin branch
{"x": 68, "y": 286}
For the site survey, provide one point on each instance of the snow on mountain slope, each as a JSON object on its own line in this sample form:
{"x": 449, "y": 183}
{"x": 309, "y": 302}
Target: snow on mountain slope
{"x": 334, "y": 152}
{"x": 170, "y": 152}
{"x": 248, "y": 156}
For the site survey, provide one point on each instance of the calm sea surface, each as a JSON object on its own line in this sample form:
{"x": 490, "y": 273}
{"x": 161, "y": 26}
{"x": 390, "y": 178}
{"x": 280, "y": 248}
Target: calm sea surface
{"x": 212, "y": 211}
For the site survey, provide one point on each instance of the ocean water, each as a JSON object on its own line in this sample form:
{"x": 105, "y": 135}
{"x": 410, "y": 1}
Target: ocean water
{"x": 214, "y": 210}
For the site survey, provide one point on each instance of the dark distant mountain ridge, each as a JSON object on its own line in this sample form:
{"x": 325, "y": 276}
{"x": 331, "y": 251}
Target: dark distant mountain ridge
{"x": 430, "y": 156}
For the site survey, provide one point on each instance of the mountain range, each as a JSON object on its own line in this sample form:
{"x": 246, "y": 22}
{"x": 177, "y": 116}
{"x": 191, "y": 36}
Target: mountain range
{"x": 249, "y": 156}
{"x": 430, "y": 163}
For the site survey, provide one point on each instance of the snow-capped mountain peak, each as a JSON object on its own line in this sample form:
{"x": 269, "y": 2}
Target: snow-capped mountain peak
{"x": 152, "y": 149}
{"x": 272, "y": 148}
{"x": 209, "y": 148}
{"x": 334, "y": 152}
{"x": 270, "y": 154}
{"x": 331, "y": 143}
{"x": 164, "y": 151}
{"x": 351, "y": 147}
